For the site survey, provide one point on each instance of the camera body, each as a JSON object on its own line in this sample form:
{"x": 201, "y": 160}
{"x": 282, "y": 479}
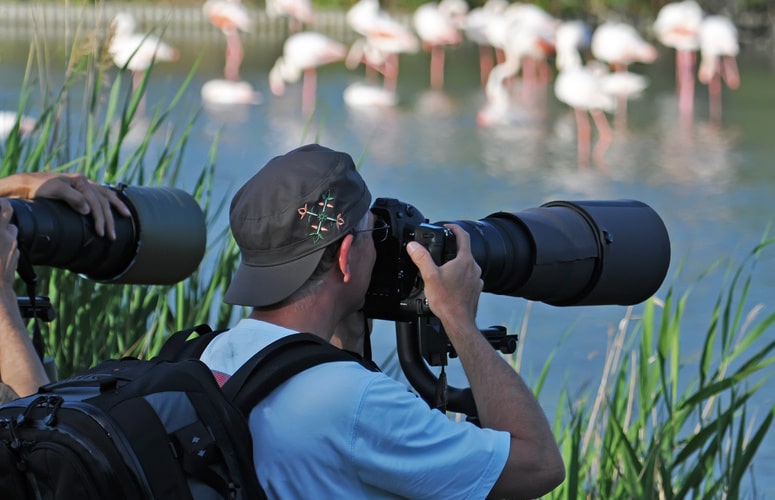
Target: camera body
{"x": 395, "y": 291}
{"x": 562, "y": 253}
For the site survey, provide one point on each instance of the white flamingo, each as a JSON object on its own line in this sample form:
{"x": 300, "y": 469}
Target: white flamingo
{"x": 363, "y": 95}
{"x": 136, "y": 52}
{"x": 437, "y": 29}
{"x": 298, "y": 12}
{"x": 531, "y": 30}
{"x": 302, "y": 54}
{"x": 718, "y": 53}
{"x": 621, "y": 45}
{"x": 10, "y": 120}
{"x": 499, "y": 108}
{"x": 476, "y": 28}
{"x": 384, "y": 39}
{"x": 231, "y": 17}
{"x": 220, "y": 92}
{"x": 677, "y": 26}
{"x": 580, "y": 87}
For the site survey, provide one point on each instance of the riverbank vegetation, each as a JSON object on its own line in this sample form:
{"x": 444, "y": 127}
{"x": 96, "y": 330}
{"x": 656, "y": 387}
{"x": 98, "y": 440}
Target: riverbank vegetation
{"x": 662, "y": 424}
{"x": 667, "y": 423}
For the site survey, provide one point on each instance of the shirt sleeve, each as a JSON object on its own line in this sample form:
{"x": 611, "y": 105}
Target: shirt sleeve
{"x": 428, "y": 455}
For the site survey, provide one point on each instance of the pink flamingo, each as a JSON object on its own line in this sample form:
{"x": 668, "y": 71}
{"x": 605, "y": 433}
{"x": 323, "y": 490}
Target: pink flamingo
{"x": 499, "y": 108}
{"x": 302, "y": 54}
{"x": 581, "y": 88}
{"x": 231, "y": 17}
{"x": 380, "y": 49}
{"x": 531, "y": 31}
{"x": 219, "y": 92}
{"x": 137, "y": 51}
{"x": 363, "y": 95}
{"x": 437, "y": 29}
{"x": 620, "y": 45}
{"x": 384, "y": 39}
{"x": 476, "y": 27}
{"x": 677, "y": 26}
{"x": 10, "y": 120}
{"x": 298, "y": 12}
{"x": 718, "y": 51}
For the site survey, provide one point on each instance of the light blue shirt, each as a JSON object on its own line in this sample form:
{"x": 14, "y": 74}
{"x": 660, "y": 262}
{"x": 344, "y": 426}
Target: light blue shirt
{"x": 338, "y": 430}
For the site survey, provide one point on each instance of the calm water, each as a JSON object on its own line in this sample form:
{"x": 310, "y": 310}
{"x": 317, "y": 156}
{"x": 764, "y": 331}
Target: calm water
{"x": 712, "y": 184}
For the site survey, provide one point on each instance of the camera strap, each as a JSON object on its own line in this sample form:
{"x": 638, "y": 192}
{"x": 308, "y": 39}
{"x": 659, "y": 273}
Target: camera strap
{"x": 441, "y": 391}
{"x": 27, "y": 274}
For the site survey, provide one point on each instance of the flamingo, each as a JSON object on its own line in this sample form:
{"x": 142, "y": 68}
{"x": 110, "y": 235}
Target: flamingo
{"x": 362, "y": 95}
{"x": 620, "y": 45}
{"x": 531, "y": 31}
{"x": 718, "y": 52}
{"x": 677, "y": 26}
{"x": 231, "y": 17}
{"x": 581, "y": 88}
{"x": 220, "y": 92}
{"x": 137, "y": 51}
{"x": 10, "y": 120}
{"x": 303, "y": 53}
{"x": 384, "y": 41}
{"x": 476, "y": 27}
{"x": 437, "y": 28}
{"x": 499, "y": 109}
{"x": 298, "y": 12}
{"x": 362, "y": 14}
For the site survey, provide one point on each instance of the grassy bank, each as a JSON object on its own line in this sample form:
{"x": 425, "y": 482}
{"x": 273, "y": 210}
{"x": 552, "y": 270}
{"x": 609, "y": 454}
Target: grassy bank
{"x": 667, "y": 423}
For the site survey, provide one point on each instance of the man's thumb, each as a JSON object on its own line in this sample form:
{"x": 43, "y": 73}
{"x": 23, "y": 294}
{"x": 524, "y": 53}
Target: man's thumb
{"x": 418, "y": 254}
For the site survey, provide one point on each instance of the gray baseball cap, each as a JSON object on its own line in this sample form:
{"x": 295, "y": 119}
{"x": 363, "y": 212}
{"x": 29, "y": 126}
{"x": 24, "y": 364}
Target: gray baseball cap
{"x": 286, "y": 215}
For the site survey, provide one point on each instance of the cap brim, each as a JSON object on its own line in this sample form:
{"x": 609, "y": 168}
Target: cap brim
{"x": 262, "y": 286}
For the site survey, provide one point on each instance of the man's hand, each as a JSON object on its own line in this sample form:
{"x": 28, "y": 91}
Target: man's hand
{"x": 452, "y": 289}
{"x": 83, "y": 195}
{"x": 9, "y": 253}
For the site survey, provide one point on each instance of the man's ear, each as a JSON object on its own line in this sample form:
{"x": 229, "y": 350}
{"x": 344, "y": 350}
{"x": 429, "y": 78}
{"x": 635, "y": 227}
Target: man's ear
{"x": 344, "y": 257}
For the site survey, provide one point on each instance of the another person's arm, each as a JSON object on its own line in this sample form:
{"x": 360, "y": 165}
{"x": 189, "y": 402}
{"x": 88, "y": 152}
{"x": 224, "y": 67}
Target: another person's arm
{"x": 85, "y": 196}
{"x": 20, "y": 366}
{"x": 503, "y": 401}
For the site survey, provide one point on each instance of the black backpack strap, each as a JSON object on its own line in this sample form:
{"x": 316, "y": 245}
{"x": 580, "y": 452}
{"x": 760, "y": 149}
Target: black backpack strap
{"x": 181, "y": 345}
{"x": 278, "y": 362}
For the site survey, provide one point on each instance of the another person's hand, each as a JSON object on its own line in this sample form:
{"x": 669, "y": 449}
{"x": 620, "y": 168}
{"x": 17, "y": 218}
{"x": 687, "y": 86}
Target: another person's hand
{"x": 83, "y": 195}
{"x": 9, "y": 253}
{"x": 452, "y": 289}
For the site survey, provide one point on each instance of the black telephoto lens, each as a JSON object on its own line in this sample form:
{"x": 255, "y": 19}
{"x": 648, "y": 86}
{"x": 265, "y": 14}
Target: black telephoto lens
{"x": 162, "y": 242}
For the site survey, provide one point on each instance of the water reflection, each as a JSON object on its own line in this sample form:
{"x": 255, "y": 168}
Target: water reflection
{"x": 702, "y": 152}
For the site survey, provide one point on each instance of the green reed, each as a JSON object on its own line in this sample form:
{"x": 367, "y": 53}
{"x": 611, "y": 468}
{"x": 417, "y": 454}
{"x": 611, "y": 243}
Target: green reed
{"x": 93, "y": 136}
{"x": 665, "y": 423}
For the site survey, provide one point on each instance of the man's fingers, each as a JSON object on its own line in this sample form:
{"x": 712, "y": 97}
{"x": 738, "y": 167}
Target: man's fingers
{"x": 420, "y": 256}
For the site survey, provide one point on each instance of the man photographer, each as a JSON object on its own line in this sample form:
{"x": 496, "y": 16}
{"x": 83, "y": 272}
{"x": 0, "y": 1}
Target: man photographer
{"x": 338, "y": 430}
{"x": 21, "y": 370}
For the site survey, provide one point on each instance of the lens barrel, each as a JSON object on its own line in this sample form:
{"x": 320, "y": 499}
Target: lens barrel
{"x": 162, "y": 242}
{"x": 569, "y": 253}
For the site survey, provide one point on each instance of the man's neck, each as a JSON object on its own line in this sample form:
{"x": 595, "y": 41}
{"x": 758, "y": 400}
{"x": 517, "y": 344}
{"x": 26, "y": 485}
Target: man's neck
{"x": 301, "y": 318}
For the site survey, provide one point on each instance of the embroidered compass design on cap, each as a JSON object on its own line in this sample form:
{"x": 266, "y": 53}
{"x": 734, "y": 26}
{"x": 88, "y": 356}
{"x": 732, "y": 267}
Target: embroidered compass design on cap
{"x": 322, "y": 222}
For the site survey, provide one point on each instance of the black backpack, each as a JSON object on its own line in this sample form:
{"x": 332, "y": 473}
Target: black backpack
{"x": 142, "y": 429}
